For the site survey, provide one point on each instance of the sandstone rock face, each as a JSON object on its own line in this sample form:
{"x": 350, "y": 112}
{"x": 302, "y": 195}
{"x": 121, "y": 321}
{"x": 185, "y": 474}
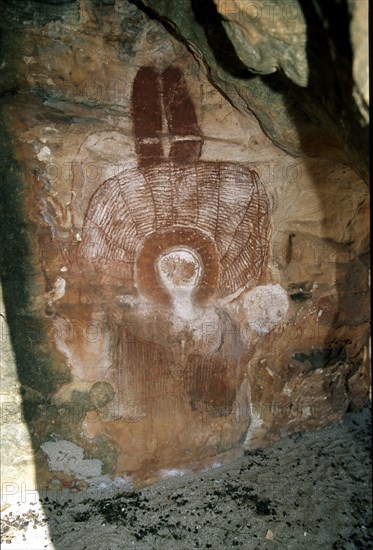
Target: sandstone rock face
{"x": 178, "y": 288}
{"x": 255, "y": 52}
{"x": 265, "y": 48}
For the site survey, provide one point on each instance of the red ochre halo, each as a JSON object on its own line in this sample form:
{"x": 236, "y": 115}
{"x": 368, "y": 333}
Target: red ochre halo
{"x": 223, "y": 203}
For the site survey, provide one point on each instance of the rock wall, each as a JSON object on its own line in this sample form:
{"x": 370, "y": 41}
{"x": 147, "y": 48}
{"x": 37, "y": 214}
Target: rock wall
{"x": 185, "y": 261}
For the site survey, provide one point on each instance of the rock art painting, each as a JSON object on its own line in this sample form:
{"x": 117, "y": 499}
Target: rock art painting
{"x": 167, "y": 246}
{"x": 186, "y": 251}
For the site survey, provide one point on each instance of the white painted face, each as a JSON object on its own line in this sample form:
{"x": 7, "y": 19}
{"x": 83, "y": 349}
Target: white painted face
{"x": 265, "y": 306}
{"x": 180, "y": 270}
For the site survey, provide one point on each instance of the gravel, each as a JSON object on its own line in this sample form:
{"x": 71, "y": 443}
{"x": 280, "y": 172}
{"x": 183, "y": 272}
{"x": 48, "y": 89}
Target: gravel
{"x": 309, "y": 491}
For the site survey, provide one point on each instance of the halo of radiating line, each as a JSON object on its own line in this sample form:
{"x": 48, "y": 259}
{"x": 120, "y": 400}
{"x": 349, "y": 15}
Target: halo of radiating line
{"x": 223, "y": 203}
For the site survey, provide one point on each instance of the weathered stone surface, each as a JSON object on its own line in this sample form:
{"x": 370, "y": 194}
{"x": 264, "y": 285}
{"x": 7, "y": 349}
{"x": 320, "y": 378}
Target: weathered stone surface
{"x": 360, "y": 47}
{"x": 268, "y": 36}
{"x": 177, "y": 287}
{"x": 17, "y": 457}
{"x": 320, "y": 119}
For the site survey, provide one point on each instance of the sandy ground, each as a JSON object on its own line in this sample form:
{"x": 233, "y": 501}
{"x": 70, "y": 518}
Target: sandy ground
{"x": 309, "y": 491}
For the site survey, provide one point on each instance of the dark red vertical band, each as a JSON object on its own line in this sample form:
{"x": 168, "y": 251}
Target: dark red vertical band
{"x": 147, "y": 114}
{"x": 181, "y": 116}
